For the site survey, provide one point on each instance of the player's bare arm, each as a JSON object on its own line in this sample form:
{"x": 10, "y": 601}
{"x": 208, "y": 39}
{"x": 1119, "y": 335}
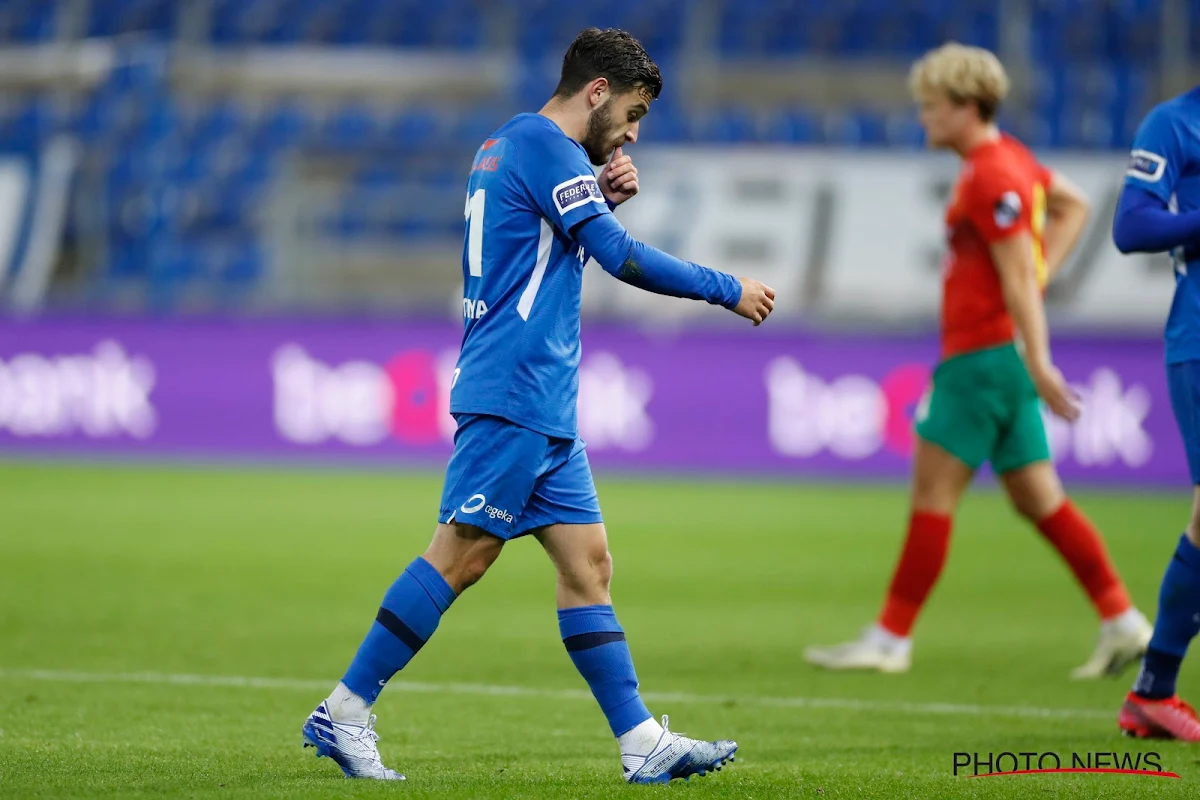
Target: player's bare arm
{"x": 1067, "y": 211}
{"x": 1013, "y": 257}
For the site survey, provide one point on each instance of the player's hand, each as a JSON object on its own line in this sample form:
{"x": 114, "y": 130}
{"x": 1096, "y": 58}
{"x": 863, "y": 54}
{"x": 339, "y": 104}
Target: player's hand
{"x": 619, "y": 180}
{"x": 758, "y": 300}
{"x": 1053, "y": 389}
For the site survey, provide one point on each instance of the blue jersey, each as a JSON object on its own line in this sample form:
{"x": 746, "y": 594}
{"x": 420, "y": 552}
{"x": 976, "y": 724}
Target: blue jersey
{"x": 1166, "y": 163}
{"x": 530, "y": 186}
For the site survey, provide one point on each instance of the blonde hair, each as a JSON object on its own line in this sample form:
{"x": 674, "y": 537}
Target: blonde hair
{"x": 964, "y": 75}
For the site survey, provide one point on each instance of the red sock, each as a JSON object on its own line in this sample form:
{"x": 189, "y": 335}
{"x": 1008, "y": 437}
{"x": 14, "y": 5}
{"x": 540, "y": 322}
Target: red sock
{"x": 921, "y": 562}
{"x": 1082, "y": 547}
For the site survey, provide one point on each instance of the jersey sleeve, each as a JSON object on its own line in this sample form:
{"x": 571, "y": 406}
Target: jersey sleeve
{"x": 1158, "y": 155}
{"x": 560, "y": 181}
{"x": 1045, "y": 176}
{"x": 999, "y": 203}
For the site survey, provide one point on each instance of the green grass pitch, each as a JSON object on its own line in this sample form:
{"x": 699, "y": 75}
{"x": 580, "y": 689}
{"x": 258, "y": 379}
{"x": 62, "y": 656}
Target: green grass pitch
{"x": 117, "y": 583}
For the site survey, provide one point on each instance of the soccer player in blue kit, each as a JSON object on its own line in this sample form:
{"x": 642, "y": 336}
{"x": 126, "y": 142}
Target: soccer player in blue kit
{"x": 535, "y": 211}
{"x": 1159, "y": 212}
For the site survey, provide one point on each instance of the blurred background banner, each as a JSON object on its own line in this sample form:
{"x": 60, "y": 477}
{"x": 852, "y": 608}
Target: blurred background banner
{"x": 184, "y": 175}
{"x": 857, "y": 239}
{"x": 743, "y": 403}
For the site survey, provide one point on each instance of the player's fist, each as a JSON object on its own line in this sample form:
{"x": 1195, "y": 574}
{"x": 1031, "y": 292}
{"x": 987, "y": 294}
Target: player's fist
{"x": 758, "y": 300}
{"x": 619, "y": 180}
{"x": 1053, "y": 389}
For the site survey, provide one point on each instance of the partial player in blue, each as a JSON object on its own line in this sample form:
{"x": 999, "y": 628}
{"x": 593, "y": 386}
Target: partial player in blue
{"x": 1159, "y": 212}
{"x": 535, "y": 212}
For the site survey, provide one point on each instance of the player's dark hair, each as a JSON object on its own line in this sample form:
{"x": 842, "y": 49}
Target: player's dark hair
{"x": 611, "y": 54}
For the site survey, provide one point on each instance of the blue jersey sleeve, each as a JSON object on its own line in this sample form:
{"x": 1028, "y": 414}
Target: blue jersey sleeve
{"x": 560, "y": 181}
{"x": 1158, "y": 155}
{"x": 640, "y": 265}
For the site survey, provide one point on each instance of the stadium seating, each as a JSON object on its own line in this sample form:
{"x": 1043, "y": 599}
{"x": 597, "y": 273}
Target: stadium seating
{"x": 184, "y": 177}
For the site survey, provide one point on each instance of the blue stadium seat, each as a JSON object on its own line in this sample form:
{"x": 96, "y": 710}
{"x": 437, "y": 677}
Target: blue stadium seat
{"x": 414, "y": 128}
{"x": 841, "y": 128}
{"x": 222, "y": 119}
{"x": 351, "y": 127}
{"x": 285, "y": 125}
{"x": 728, "y": 125}
{"x": 242, "y": 263}
{"x": 241, "y": 21}
{"x": 797, "y": 125}
{"x": 377, "y": 175}
{"x": 902, "y": 129}
{"x": 548, "y": 26}
{"x": 1135, "y": 32}
{"x": 28, "y": 21}
{"x": 471, "y": 127}
{"x": 666, "y": 124}
{"x": 1087, "y": 127}
{"x": 34, "y": 122}
{"x": 113, "y": 17}
{"x": 872, "y": 126}
{"x": 171, "y": 261}
{"x": 159, "y": 119}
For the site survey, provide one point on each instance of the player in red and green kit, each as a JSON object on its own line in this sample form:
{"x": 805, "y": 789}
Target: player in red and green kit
{"x": 1011, "y": 224}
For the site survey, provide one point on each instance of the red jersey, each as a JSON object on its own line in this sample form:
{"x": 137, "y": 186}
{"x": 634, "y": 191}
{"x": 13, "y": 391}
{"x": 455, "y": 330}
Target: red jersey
{"x": 1000, "y": 192}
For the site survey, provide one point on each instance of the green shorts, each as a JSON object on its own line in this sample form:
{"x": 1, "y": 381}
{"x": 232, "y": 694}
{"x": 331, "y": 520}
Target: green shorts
{"x": 983, "y": 407}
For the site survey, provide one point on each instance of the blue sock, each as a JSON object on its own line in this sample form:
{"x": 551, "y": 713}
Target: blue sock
{"x": 407, "y": 618}
{"x": 1178, "y": 622}
{"x": 596, "y": 643}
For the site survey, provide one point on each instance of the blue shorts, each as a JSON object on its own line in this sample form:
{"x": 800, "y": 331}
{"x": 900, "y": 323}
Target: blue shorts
{"x": 509, "y": 480}
{"x": 1183, "y": 380}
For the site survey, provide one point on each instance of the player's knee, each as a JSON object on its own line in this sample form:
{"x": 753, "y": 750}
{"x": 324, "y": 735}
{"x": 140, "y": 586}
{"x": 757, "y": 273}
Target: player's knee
{"x": 1038, "y": 501}
{"x": 602, "y": 569}
{"x": 933, "y": 497}
{"x": 589, "y": 574}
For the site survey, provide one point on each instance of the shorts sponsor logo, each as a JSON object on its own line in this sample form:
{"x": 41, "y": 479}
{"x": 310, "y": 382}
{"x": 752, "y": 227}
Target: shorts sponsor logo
{"x": 477, "y": 502}
{"x": 577, "y": 192}
{"x": 1007, "y": 210}
{"x": 1146, "y": 166}
{"x": 473, "y": 504}
{"x": 498, "y": 513}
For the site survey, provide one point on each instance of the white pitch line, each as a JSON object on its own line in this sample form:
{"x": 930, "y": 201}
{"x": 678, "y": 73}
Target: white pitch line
{"x": 492, "y": 690}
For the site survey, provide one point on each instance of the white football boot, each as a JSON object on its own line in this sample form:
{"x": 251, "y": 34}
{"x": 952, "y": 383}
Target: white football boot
{"x": 352, "y": 747}
{"x": 1123, "y": 641}
{"x": 676, "y": 756}
{"x": 876, "y": 649}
